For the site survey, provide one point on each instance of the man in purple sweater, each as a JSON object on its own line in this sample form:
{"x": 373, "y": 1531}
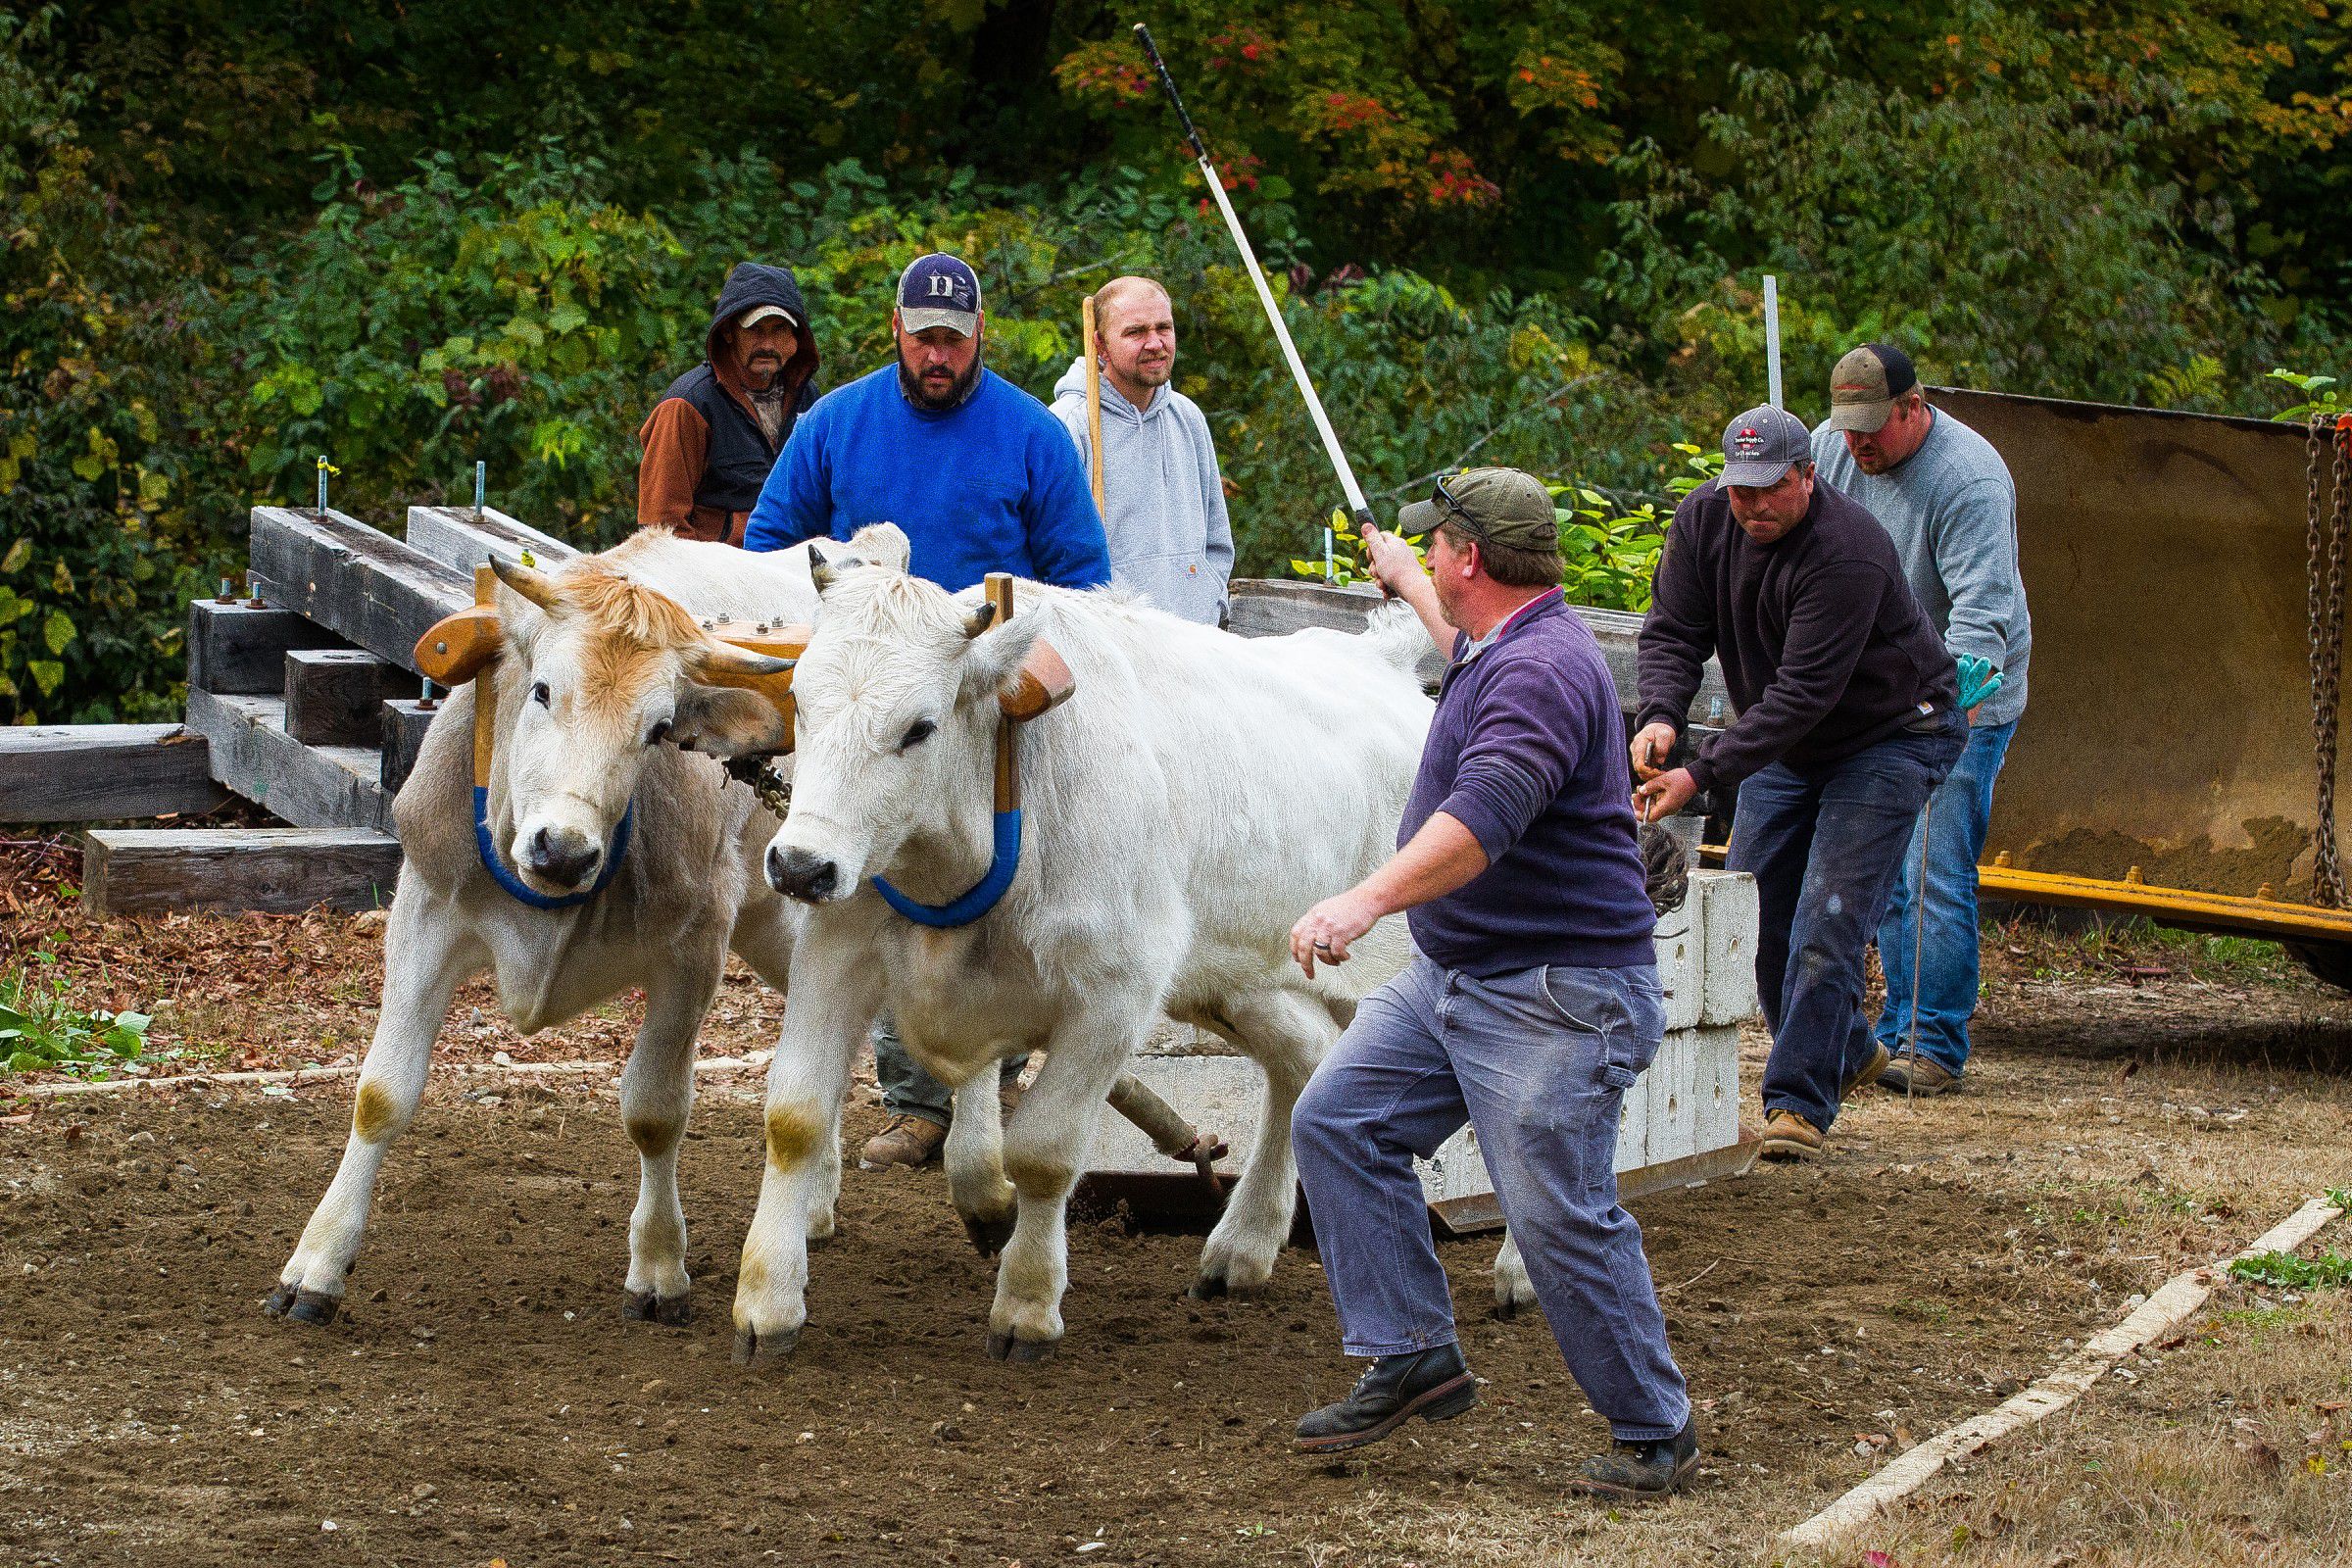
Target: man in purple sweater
{"x": 1532, "y": 1006}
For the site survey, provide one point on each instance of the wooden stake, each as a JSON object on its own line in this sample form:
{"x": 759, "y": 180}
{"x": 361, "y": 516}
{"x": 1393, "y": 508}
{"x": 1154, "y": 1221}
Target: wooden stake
{"x": 999, "y": 587}
{"x": 485, "y": 699}
{"x": 1094, "y": 412}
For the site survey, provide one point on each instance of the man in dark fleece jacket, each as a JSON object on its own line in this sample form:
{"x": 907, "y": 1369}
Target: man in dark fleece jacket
{"x": 712, "y": 439}
{"x": 1531, "y": 1008}
{"x": 1849, "y": 718}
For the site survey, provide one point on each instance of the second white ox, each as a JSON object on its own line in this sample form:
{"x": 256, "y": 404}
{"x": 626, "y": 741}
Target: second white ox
{"x": 1195, "y": 795}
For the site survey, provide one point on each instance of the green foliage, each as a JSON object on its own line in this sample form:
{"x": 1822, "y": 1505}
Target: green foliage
{"x": 41, "y": 1029}
{"x": 2329, "y": 1269}
{"x": 2321, "y": 399}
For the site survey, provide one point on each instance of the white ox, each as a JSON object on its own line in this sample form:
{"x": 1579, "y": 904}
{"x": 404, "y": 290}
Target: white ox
{"x": 597, "y": 672}
{"x": 1196, "y": 794}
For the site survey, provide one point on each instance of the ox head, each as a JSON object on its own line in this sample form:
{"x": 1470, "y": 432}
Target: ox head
{"x": 608, "y": 669}
{"x": 898, "y": 694}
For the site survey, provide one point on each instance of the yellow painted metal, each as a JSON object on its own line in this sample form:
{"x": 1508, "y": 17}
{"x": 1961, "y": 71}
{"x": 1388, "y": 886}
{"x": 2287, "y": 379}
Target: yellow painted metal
{"x": 2185, "y": 908}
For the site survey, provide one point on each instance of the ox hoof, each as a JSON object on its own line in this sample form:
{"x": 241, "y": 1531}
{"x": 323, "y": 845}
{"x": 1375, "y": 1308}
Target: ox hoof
{"x": 1005, "y": 1347}
{"x": 1209, "y": 1286}
{"x": 754, "y": 1350}
{"x": 644, "y": 1307}
{"x": 989, "y": 1236}
{"x": 1506, "y": 1308}
{"x": 301, "y": 1307}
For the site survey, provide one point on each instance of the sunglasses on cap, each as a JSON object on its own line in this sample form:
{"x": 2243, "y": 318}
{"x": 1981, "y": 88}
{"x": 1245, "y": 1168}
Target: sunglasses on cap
{"x": 1452, "y": 502}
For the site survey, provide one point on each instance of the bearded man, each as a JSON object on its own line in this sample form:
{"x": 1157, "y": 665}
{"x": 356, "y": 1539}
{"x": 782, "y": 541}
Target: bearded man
{"x": 981, "y": 478}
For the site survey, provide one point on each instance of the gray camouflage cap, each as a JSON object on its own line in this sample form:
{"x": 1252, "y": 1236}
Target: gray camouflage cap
{"x": 1497, "y": 506}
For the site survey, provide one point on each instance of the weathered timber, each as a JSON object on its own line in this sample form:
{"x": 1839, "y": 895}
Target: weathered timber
{"x": 259, "y": 870}
{"x": 101, "y": 772}
{"x": 335, "y": 697}
{"x": 405, "y": 719}
{"x": 237, "y": 646}
{"x": 309, "y": 786}
{"x": 365, "y": 585}
{"x": 1264, "y": 608}
{"x": 458, "y": 537}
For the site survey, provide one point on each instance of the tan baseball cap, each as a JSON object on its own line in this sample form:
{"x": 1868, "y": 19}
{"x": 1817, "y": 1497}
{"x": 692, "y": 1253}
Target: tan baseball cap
{"x": 1864, "y": 386}
{"x": 768, "y": 313}
{"x": 1499, "y": 505}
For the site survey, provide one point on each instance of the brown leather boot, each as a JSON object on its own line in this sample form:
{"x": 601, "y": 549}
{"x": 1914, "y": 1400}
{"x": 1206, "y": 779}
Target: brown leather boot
{"x": 1868, "y": 1073}
{"x": 910, "y": 1140}
{"x": 1788, "y": 1136}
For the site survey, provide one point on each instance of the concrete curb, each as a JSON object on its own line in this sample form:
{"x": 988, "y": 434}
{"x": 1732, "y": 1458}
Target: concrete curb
{"x": 2172, "y": 1304}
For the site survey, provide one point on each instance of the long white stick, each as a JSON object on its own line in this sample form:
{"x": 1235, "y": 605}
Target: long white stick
{"x": 1772, "y": 336}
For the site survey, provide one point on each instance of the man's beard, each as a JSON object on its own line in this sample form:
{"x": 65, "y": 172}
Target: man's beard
{"x": 1158, "y": 375}
{"x": 762, "y": 370}
{"x": 912, "y": 385}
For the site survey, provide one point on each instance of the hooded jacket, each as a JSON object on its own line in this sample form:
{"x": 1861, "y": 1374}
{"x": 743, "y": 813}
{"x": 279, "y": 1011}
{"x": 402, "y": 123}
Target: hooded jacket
{"x": 705, "y": 454}
{"x": 1163, "y": 504}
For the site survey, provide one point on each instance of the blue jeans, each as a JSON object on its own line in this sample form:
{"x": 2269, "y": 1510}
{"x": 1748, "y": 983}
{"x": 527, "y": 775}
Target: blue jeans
{"x": 1825, "y": 848}
{"x": 908, "y": 1091}
{"x": 1538, "y": 1061}
{"x": 1942, "y": 928}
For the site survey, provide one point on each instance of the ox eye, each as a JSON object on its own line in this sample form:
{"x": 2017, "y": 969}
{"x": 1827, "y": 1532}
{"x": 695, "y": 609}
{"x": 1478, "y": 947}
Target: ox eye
{"x": 917, "y": 733}
{"x": 658, "y": 734}
{"x": 539, "y": 693}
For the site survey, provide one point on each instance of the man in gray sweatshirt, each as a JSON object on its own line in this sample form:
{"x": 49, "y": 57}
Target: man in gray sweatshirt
{"x": 1163, "y": 502}
{"x": 1944, "y": 496}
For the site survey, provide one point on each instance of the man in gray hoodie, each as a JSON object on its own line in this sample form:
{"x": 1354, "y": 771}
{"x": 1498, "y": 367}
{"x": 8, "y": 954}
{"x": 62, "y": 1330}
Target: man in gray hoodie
{"x": 1163, "y": 502}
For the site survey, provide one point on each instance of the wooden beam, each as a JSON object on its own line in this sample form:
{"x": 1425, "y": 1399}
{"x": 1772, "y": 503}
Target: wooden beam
{"x": 257, "y": 870}
{"x": 309, "y": 786}
{"x": 404, "y": 721}
{"x": 460, "y": 538}
{"x": 101, "y": 772}
{"x": 335, "y": 697}
{"x": 367, "y": 586}
{"x": 240, "y": 644}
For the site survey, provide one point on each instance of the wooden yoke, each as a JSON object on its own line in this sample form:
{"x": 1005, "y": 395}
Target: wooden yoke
{"x": 998, "y": 586}
{"x": 477, "y": 662}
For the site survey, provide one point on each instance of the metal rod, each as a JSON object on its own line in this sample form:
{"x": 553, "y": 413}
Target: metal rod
{"x": 481, "y": 477}
{"x": 1772, "y": 336}
{"x": 1357, "y": 507}
{"x": 1327, "y": 553}
{"x": 323, "y": 469}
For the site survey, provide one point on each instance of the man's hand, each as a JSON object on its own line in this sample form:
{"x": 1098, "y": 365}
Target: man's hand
{"x": 1664, "y": 795}
{"x": 1325, "y": 931}
{"x": 1651, "y": 749}
{"x": 1392, "y": 561}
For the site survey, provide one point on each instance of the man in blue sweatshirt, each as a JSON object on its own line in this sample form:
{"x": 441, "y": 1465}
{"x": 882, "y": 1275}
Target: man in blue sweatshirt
{"x": 1531, "y": 1008}
{"x": 981, "y": 478}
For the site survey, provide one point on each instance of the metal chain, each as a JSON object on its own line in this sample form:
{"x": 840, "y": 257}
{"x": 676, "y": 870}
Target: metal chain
{"x": 775, "y": 792}
{"x": 2325, "y": 542}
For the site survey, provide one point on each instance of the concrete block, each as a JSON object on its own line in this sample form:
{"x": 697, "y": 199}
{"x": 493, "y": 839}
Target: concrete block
{"x": 1681, "y": 974}
{"x": 1728, "y": 900}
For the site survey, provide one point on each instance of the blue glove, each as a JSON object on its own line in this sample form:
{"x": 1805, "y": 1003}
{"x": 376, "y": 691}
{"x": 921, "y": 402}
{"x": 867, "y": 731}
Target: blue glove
{"x": 1979, "y": 680}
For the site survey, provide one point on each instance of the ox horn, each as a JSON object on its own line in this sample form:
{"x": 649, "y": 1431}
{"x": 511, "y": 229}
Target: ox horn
{"x": 821, "y": 570}
{"x": 720, "y": 664}
{"x": 534, "y": 585}
{"x": 979, "y": 620}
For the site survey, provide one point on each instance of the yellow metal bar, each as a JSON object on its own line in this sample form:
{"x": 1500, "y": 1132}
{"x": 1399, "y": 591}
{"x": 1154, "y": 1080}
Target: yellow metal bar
{"x": 2181, "y": 907}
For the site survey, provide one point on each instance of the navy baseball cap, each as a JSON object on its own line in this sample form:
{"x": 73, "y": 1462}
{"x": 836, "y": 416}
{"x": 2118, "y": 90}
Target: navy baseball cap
{"x": 938, "y": 290}
{"x": 1759, "y": 446}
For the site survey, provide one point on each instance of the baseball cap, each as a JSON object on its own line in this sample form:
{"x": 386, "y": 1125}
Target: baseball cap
{"x": 938, "y": 290}
{"x": 1864, "y": 386}
{"x": 1759, "y": 446}
{"x": 768, "y": 313}
{"x": 1499, "y": 506}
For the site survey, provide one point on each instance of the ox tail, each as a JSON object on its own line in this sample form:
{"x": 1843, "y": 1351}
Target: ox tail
{"x": 1395, "y": 636}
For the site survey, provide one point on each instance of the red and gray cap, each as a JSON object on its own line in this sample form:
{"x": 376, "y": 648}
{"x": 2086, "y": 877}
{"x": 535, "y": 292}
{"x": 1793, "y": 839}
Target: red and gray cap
{"x": 1864, "y": 386}
{"x": 1759, "y": 446}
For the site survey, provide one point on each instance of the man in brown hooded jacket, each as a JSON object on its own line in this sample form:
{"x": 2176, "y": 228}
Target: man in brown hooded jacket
{"x": 712, "y": 439}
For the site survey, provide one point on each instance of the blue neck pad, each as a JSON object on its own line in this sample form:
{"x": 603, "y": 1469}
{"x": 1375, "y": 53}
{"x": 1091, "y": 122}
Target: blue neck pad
{"x": 983, "y": 895}
{"x": 516, "y": 887}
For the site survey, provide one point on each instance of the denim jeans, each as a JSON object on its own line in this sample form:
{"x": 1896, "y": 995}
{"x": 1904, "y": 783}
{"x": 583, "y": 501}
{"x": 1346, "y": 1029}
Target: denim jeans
{"x": 1537, "y": 1061}
{"x": 1942, "y": 928}
{"x": 907, "y": 1090}
{"x": 1824, "y": 848}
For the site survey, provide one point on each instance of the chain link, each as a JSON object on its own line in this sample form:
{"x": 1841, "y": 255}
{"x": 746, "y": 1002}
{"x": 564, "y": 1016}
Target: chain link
{"x": 775, "y": 792}
{"x": 2326, "y": 541}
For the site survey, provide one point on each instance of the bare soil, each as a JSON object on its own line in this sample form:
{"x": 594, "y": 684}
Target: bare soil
{"x": 485, "y": 1399}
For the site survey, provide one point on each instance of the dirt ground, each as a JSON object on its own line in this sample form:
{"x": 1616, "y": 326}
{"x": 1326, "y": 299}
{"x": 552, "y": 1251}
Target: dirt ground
{"x": 2131, "y": 1111}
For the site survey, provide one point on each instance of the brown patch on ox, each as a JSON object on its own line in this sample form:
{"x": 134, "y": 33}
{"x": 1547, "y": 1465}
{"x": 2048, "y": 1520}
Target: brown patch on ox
{"x": 632, "y": 632}
{"x": 793, "y": 1132}
{"x": 372, "y": 1113}
{"x": 653, "y": 1138}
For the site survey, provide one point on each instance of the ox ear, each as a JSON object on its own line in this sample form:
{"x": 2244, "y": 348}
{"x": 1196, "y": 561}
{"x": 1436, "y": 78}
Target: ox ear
{"x": 821, "y": 570}
{"x": 992, "y": 661}
{"x": 531, "y": 583}
{"x": 731, "y": 723}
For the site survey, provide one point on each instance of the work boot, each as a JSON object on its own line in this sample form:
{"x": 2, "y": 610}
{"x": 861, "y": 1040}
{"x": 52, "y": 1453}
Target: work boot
{"x": 1643, "y": 1472}
{"x": 904, "y": 1139}
{"x": 1788, "y": 1136}
{"x": 1434, "y": 1385}
{"x": 1922, "y": 1076}
{"x": 1870, "y": 1072}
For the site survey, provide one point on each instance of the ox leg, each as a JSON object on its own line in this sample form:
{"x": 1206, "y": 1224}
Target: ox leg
{"x": 427, "y": 951}
{"x": 826, "y": 1016}
{"x": 1044, "y": 1144}
{"x": 1287, "y": 1033}
{"x": 656, "y": 1092}
{"x": 1514, "y": 1294}
{"x": 975, "y": 1160}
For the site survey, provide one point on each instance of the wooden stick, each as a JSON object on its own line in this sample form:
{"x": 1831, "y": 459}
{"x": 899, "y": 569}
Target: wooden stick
{"x": 999, "y": 587}
{"x": 1094, "y": 409}
{"x": 485, "y": 699}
